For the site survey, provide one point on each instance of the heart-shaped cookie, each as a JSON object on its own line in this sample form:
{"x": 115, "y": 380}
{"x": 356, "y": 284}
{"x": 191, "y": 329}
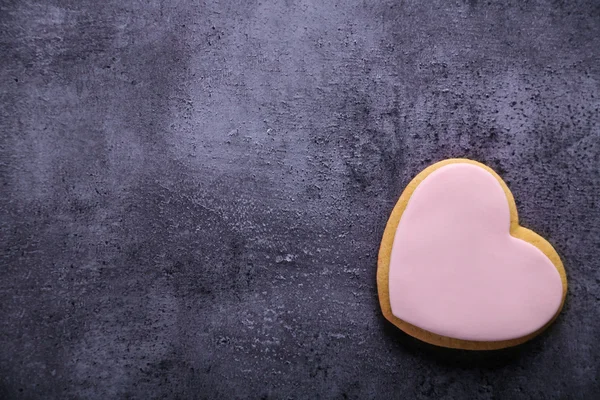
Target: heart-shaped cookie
{"x": 457, "y": 270}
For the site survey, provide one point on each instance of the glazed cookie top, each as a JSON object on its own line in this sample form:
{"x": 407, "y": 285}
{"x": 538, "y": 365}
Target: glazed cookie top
{"x": 455, "y": 269}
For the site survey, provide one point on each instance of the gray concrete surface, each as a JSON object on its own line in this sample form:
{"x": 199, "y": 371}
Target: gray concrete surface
{"x": 193, "y": 192}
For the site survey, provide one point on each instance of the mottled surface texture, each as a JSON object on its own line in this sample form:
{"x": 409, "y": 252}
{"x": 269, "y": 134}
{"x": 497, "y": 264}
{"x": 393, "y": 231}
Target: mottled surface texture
{"x": 193, "y": 192}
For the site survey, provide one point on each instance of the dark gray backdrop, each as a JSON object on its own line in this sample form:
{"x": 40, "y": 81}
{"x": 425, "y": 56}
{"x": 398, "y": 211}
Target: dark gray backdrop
{"x": 193, "y": 192}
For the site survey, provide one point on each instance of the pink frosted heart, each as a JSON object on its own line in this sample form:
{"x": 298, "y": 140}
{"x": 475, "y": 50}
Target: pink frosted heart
{"x": 456, "y": 271}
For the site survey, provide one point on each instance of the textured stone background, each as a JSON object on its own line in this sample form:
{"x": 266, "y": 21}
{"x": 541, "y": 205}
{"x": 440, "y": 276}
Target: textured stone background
{"x": 193, "y": 192}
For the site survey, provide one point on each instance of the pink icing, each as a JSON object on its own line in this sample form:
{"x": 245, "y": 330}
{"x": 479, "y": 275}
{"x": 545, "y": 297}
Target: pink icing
{"x": 455, "y": 269}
